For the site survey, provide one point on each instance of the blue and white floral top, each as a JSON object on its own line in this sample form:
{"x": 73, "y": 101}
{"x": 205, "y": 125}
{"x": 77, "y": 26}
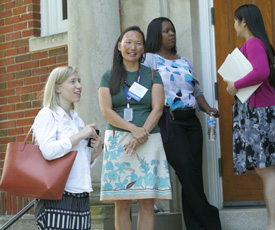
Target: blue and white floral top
{"x": 180, "y": 86}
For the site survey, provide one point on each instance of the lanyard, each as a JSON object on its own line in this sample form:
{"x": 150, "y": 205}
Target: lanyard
{"x": 128, "y": 98}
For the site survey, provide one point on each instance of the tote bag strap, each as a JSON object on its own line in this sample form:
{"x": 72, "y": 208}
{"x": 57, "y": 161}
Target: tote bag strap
{"x": 26, "y": 138}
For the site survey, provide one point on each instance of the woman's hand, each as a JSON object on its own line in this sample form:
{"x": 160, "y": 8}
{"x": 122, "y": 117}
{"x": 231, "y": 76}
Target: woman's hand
{"x": 88, "y": 132}
{"x": 131, "y": 146}
{"x": 96, "y": 143}
{"x": 204, "y": 106}
{"x": 171, "y": 115}
{"x": 214, "y": 111}
{"x": 106, "y": 107}
{"x": 140, "y": 133}
{"x": 231, "y": 88}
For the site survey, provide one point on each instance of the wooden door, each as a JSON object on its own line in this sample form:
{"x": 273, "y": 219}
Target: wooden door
{"x": 248, "y": 187}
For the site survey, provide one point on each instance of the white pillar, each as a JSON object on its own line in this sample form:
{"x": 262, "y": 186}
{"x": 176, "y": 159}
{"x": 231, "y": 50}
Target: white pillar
{"x": 142, "y": 12}
{"x": 93, "y": 28}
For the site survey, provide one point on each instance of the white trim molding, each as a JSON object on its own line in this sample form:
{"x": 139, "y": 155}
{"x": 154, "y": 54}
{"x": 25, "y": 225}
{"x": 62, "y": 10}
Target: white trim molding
{"x": 52, "y": 18}
{"x": 207, "y": 41}
{"x": 48, "y": 42}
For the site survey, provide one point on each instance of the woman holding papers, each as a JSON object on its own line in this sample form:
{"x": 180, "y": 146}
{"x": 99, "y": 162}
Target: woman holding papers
{"x": 254, "y": 120}
{"x": 134, "y": 162}
{"x": 183, "y": 95}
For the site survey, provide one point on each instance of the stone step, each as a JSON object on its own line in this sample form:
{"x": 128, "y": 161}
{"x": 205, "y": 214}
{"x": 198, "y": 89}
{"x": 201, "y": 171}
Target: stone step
{"x": 27, "y": 222}
{"x": 102, "y": 210}
{"x": 102, "y": 220}
{"x": 163, "y": 221}
{"x": 240, "y": 218}
{"x": 244, "y": 218}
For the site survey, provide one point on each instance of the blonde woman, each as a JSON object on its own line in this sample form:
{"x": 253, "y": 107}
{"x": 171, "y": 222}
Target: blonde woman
{"x": 58, "y": 130}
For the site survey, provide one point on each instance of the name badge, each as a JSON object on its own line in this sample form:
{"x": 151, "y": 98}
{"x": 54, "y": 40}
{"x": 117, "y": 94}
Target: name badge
{"x": 128, "y": 114}
{"x": 137, "y": 91}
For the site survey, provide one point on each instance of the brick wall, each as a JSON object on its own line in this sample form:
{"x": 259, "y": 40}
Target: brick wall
{"x": 22, "y": 78}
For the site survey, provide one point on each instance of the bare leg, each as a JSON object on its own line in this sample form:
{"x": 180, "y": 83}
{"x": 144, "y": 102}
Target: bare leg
{"x": 268, "y": 177}
{"x": 122, "y": 215}
{"x": 146, "y": 216}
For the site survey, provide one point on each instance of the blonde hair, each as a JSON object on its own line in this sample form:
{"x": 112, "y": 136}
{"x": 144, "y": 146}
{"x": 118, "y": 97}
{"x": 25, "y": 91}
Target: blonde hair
{"x": 56, "y": 77}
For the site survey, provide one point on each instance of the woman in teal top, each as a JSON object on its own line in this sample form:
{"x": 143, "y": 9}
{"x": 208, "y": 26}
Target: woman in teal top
{"x": 134, "y": 162}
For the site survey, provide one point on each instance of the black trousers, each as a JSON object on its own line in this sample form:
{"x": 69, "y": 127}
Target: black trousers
{"x": 184, "y": 154}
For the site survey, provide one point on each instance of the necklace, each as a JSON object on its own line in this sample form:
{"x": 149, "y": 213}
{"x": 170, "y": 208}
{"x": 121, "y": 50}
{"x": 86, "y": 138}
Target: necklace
{"x": 126, "y": 83}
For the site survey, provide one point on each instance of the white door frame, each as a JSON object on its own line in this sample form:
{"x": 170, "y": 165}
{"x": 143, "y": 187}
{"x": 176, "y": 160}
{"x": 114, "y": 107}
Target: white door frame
{"x": 209, "y": 74}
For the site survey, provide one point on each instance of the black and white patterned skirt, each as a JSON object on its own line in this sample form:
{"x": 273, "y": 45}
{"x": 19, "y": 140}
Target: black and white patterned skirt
{"x": 71, "y": 212}
{"x": 253, "y": 137}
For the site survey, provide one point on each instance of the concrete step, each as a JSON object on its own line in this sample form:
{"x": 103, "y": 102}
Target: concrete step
{"x": 241, "y": 218}
{"x": 103, "y": 218}
{"x": 244, "y": 218}
{"x": 27, "y": 222}
{"x": 163, "y": 221}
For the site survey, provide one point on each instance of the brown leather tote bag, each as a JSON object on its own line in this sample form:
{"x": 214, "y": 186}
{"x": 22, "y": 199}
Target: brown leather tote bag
{"x": 26, "y": 173}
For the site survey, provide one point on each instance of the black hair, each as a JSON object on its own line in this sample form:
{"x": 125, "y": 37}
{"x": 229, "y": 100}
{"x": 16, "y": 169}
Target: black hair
{"x": 118, "y": 72}
{"x": 154, "y": 35}
{"x": 255, "y": 23}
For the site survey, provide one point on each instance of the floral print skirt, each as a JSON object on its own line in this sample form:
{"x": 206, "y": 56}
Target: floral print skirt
{"x": 143, "y": 175}
{"x": 253, "y": 137}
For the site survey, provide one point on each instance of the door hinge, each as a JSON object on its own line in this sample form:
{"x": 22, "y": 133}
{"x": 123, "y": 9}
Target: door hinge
{"x": 216, "y": 91}
{"x": 212, "y": 16}
{"x": 220, "y": 166}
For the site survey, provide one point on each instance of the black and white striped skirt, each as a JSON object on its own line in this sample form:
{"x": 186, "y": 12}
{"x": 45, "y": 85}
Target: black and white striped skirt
{"x": 71, "y": 212}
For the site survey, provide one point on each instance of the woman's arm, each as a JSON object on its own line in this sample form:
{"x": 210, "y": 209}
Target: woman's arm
{"x": 157, "y": 107}
{"x": 97, "y": 148}
{"x": 87, "y": 132}
{"x": 152, "y": 119}
{"x": 106, "y": 107}
{"x": 204, "y": 106}
{"x": 45, "y": 129}
{"x": 256, "y": 54}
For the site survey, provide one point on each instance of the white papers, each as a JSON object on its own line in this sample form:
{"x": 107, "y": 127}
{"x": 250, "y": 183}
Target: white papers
{"x": 235, "y": 67}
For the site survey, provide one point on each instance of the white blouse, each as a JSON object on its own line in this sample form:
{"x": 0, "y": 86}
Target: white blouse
{"x": 52, "y": 129}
